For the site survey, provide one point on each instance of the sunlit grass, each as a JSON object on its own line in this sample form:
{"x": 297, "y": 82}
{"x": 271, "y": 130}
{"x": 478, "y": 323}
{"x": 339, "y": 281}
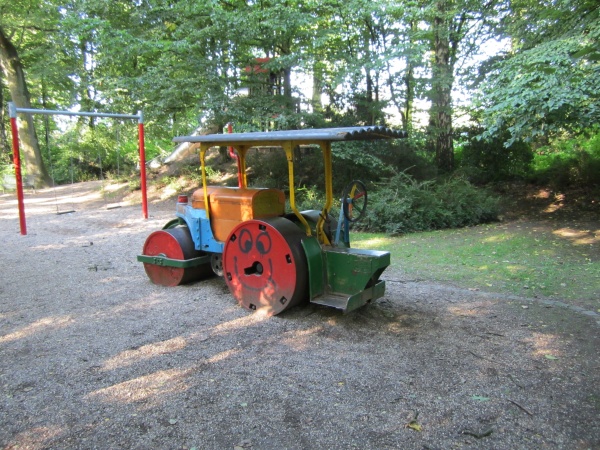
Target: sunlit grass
{"x": 503, "y": 258}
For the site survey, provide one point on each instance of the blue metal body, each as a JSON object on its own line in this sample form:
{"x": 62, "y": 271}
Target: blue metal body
{"x": 199, "y": 226}
{"x": 343, "y": 226}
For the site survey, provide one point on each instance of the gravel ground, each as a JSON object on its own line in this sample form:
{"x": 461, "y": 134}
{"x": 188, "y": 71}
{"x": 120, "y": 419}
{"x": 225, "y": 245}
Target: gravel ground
{"x": 92, "y": 355}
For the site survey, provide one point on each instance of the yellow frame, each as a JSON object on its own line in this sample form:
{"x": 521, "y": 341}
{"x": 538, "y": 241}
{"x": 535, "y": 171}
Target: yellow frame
{"x": 288, "y": 146}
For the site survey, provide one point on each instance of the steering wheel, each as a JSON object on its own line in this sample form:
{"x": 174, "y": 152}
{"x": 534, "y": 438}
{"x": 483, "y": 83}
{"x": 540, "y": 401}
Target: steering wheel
{"x": 354, "y": 200}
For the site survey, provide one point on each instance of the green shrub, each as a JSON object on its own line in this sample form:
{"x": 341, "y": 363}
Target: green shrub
{"x": 364, "y": 160}
{"x": 269, "y": 168}
{"x": 358, "y": 159}
{"x": 482, "y": 161}
{"x": 308, "y": 198}
{"x": 80, "y": 153}
{"x": 403, "y": 204}
{"x": 569, "y": 162}
{"x": 193, "y": 174}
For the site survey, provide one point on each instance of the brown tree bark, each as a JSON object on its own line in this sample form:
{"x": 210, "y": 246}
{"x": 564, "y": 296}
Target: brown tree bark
{"x": 409, "y": 83}
{"x": 14, "y": 75}
{"x": 441, "y": 98}
{"x": 4, "y": 145}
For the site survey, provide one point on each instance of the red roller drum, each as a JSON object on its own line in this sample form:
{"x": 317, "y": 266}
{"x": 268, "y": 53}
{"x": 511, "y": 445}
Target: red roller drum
{"x": 174, "y": 243}
{"x": 265, "y": 266}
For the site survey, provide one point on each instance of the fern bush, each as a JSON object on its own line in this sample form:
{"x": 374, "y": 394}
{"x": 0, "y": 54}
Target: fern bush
{"x": 403, "y": 204}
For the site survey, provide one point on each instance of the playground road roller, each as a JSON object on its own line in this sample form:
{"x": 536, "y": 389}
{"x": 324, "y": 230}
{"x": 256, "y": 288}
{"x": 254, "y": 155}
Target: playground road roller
{"x": 271, "y": 259}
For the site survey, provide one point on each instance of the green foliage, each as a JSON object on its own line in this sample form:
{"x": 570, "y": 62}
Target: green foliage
{"x": 173, "y": 183}
{"x": 268, "y": 168}
{"x": 548, "y": 83}
{"x": 183, "y": 62}
{"x": 369, "y": 161}
{"x": 403, "y": 205}
{"x": 308, "y": 197}
{"x": 485, "y": 160}
{"x": 358, "y": 160}
{"x": 569, "y": 162}
{"x": 258, "y": 113}
{"x": 80, "y": 153}
{"x": 408, "y": 156}
{"x": 194, "y": 175}
{"x": 373, "y": 161}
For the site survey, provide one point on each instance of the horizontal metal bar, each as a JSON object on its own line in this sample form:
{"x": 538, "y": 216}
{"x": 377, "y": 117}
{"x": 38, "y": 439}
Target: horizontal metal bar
{"x": 161, "y": 260}
{"x": 51, "y": 112}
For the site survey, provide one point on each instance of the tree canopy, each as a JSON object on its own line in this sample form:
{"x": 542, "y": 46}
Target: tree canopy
{"x": 307, "y": 63}
{"x": 548, "y": 81}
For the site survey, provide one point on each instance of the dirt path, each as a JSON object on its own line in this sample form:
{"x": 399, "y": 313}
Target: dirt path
{"x": 94, "y": 356}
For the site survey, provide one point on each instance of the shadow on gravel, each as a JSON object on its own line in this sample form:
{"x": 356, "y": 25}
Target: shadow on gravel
{"x": 94, "y": 356}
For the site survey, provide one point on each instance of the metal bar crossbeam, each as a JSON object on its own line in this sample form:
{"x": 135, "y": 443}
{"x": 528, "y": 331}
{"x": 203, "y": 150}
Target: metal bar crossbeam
{"x": 14, "y": 110}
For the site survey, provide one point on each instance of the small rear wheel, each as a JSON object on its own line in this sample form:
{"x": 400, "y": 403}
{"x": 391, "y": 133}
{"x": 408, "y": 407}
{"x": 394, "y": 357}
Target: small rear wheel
{"x": 216, "y": 263}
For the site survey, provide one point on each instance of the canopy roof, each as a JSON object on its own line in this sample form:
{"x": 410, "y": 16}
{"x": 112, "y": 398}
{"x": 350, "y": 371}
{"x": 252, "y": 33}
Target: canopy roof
{"x": 299, "y": 136}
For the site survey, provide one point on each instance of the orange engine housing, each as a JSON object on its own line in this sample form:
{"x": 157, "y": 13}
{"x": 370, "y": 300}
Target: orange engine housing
{"x": 228, "y": 207}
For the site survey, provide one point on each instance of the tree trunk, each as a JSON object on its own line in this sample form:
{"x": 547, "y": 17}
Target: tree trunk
{"x": 317, "y": 89}
{"x": 441, "y": 86}
{"x": 15, "y": 77}
{"x": 409, "y": 83}
{"x": 4, "y": 145}
{"x": 287, "y": 84}
{"x": 87, "y": 97}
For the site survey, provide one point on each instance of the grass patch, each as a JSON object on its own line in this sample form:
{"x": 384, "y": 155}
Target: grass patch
{"x": 509, "y": 258}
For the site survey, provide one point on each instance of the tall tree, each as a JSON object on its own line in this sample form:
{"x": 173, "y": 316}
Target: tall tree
{"x": 407, "y": 48}
{"x": 548, "y": 81}
{"x": 4, "y": 141}
{"x": 12, "y": 68}
{"x": 349, "y": 48}
{"x": 447, "y": 32}
{"x": 458, "y": 29}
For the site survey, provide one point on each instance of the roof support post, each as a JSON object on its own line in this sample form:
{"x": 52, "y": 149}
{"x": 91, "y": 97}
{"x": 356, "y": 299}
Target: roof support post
{"x": 203, "y": 148}
{"x": 288, "y": 146}
{"x": 321, "y": 235}
{"x": 241, "y": 153}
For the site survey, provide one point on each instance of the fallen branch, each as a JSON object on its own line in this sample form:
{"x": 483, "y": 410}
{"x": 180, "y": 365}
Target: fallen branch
{"x": 514, "y": 380}
{"x": 494, "y": 334}
{"x": 479, "y": 356}
{"x": 520, "y": 406}
{"x": 483, "y": 434}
